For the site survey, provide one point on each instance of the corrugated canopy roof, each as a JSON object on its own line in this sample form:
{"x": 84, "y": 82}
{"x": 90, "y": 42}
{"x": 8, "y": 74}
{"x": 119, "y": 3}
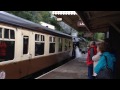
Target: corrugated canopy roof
{"x": 70, "y": 18}
{"x": 64, "y": 13}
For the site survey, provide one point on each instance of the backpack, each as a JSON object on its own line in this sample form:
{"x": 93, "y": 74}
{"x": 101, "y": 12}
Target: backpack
{"x": 105, "y": 73}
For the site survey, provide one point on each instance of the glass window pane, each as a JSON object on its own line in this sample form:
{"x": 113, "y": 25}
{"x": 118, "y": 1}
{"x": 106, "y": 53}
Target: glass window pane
{"x": 36, "y": 37}
{"x": 6, "y": 33}
{"x": 65, "y": 44}
{"x": 53, "y": 39}
{"x": 52, "y": 48}
{"x": 0, "y": 32}
{"x": 39, "y": 48}
{"x": 12, "y": 34}
{"x": 25, "y": 44}
{"x": 6, "y": 50}
{"x": 50, "y": 39}
{"x": 69, "y": 45}
{"x": 43, "y": 38}
{"x": 60, "y": 45}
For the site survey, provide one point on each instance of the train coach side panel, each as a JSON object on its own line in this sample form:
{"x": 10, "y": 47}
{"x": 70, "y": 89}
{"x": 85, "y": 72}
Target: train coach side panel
{"x": 46, "y": 61}
{"x": 20, "y": 69}
{"x": 12, "y": 70}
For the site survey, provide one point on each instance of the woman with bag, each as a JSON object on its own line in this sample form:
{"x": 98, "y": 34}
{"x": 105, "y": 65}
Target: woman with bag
{"x": 107, "y": 59}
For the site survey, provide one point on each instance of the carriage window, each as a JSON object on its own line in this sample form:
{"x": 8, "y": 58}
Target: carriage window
{"x": 42, "y": 38}
{"x": 36, "y": 37}
{"x": 39, "y": 48}
{"x": 66, "y": 42}
{"x": 12, "y": 34}
{"x": 6, "y": 50}
{"x": 39, "y": 45}
{"x": 7, "y": 47}
{"x": 52, "y": 48}
{"x": 0, "y": 32}
{"x": 69, "y": 45}
{"x": 52, "y": 44}
{"x": 25, "y": 44}
{"x": 53, "y": 39}
{"x": 60, "y": 44}
{"x": 50, "y": 39}
{"x": 6, "y": 33}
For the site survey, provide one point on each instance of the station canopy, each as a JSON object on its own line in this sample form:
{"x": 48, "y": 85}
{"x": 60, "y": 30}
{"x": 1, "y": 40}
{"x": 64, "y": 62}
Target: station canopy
{"x": 71, "y": 18}
{"x": 90, "y": 21}
{"x": 100, "y": 21}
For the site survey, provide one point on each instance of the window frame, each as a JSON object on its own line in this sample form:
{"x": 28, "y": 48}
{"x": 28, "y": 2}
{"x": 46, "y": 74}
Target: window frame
{"x": 53, "y": 40}
{"x": 40, "y": 41}
{"x": 60, "y": 38}
{"x": 66, "y": 44}
{"x": 8, "y": 39}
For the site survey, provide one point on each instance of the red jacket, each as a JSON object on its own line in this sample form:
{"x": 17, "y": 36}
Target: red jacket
{"x": 89, "y": 61}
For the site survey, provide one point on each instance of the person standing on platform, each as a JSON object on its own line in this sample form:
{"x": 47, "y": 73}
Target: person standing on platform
{"x": 96, "y": 57}
{"x": 91, "y": 52}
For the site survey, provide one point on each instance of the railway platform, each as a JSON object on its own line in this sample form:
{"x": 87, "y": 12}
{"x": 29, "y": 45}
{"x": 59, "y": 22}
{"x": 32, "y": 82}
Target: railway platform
{"x": 74, "y": 69}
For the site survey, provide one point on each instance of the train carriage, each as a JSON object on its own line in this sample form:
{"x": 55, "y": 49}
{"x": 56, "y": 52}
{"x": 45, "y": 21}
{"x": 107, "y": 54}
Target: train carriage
{"x": 27, "y": 47}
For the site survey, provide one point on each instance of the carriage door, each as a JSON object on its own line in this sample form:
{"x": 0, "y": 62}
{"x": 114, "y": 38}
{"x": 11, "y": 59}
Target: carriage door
{"x": 26, "y": 45}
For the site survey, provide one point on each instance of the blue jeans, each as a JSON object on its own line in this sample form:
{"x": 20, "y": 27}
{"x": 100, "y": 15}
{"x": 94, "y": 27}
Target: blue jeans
{"x": 90, "y": 71}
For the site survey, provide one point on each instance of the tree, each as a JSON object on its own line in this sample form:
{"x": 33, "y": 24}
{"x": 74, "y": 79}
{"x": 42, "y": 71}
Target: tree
{"x": 23, "y": 14}
{"x": 37, "y": 17}
{"x": 80, "y": 34}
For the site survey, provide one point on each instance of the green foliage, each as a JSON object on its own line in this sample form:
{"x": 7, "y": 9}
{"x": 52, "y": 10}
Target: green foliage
{"x": 29, "y": 15}
{"x": 99, "y": 36}
{"x": 80, "y": 34}
{"x": 89, "y": 38}
{"x": 37, "y": 17}
{"x": 54, "y": 22}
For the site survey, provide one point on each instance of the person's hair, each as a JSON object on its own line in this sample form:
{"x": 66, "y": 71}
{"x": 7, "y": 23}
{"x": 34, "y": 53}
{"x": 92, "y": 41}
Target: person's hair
{"x": 104, "y": 47}
{"x": 92, "y": 43}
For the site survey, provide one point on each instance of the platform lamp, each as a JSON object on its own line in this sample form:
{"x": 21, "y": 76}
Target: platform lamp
{"x": 80, "y": 23}
{"x": 59, "y": 19}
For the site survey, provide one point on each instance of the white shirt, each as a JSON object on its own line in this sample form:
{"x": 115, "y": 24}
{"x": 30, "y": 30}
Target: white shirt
{"x": 78, "y": 53}
{"x": 95, "y": 58}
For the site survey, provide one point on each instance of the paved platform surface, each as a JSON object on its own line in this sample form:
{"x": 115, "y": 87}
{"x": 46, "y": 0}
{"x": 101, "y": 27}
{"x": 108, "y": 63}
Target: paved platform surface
{"x": 74, "y": 69}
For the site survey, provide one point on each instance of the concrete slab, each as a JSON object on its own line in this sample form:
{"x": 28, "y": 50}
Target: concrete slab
{"x": 74, "y": 69}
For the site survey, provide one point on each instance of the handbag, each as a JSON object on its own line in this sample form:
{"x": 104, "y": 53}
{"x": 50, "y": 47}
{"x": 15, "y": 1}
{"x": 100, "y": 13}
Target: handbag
{"x": 105, "y": 73}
